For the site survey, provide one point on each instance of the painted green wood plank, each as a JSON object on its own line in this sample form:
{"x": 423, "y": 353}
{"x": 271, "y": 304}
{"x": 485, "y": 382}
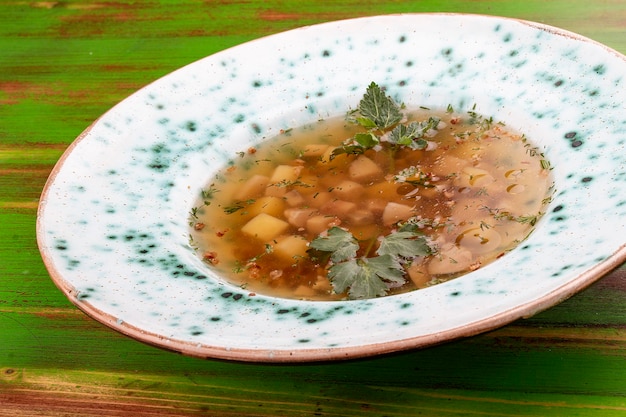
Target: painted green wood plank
{"x": 600, "y": 305}
{"x": 24, "y": 281}
{"x": 72, "y": 19}
{"x": 22, "y": 185}
{"x": 335, "y": 390}
{"x": 74, "y": 60}
{"x": 52, "y": 98}
{"x": 511, "y": 359}
{"x": 62, "y": 64}
{"x": 30, "y": 157}
{"x": 316, "y": 399}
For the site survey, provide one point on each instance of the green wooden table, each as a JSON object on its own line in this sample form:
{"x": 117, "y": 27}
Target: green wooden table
{"x": 62, "y": 64}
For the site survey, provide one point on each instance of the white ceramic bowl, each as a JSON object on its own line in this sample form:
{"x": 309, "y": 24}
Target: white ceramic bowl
{"x": 112, "y": 224}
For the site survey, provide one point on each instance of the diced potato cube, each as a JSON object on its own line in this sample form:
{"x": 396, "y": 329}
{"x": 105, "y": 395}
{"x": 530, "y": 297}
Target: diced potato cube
{"x": 285, "y": 174}
{"x": 449, "y": 259}
{"x": 290, "y": 247}
{"x": 348, "y": 190}
{"x": 318, "y": 224}
{"x": 307, "y": 184}
{"x": 418, "y": 274}
{"x": 395, "y": 212}
{"x": 339, "y": 208}
{"x": 363, "y": 170}
{"x": 376, "y": 206}
{"x": 273, "y": 206}
{"x": 252, "y": 188}
{"x": 275, "y": 190}
{"x": 319, "y": 199}
{"x": 314, "y": 150}
{"x": 330, "y": 179}
{"x": 330, "y": 161}
{"x": 298, "y": 217}
{"x": 293, "y": 198}
{"x": 304, "y": 291}
{"x": 384, "y": 190}
{"x": 360, "y": 217}
{"x": 281, "y": 178}
{"x": 265, "y": 227}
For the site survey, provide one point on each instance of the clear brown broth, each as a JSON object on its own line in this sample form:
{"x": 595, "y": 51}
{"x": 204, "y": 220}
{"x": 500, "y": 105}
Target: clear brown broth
{"x": 483, "y": 191}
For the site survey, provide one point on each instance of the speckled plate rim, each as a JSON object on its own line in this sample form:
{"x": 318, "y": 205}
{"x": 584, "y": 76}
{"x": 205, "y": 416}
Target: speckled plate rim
{"x": 344, "y": 353}
{"x": 304, "y": 354}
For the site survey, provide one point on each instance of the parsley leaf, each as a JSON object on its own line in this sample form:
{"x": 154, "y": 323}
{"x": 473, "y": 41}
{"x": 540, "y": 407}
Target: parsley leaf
{"x": 405, "y": 134}
{"x": 369, "y": 277}
{"x": 366, "y": 123}
{"x": 377, "y": 109}
{"x": 387, "y": 268}
{"x": 363, "y": 278}
{"x": 406, "y": 244}
{"x": 367, "y": 140}
{"x": 344, "y": 275}
{"x": 364, "y": 141}
{"x": 412, "y": 134}
{"x": 348, "y": 150}
{"x": 338, "y": 241}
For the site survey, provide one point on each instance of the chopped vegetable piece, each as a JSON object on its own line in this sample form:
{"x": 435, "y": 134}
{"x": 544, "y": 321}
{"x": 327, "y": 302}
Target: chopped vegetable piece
{"x": 265, "y": 227}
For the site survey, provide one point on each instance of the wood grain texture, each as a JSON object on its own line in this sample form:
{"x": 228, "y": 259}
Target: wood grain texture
{"x": 64, "y": 63}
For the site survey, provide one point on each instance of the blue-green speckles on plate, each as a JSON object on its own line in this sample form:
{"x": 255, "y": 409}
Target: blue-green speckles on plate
{"x": 113, "y": 220}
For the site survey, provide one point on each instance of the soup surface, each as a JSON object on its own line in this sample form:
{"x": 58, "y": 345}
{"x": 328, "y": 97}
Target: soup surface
{"x": 381, "y": 201}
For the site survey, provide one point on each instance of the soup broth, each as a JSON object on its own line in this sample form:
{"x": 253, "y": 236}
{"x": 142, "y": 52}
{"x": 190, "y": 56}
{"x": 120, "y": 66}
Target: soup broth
{"x": 313, "y": 214}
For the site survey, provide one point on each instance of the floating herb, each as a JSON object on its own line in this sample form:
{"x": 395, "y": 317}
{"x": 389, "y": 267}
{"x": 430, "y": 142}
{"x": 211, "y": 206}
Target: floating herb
{"x": 377, "y": 109}
{"x": 366, "y": 277}
{"x": 237, "y": 206}
{"x": 378, "y": 113}
{"x": 411, "y": 135}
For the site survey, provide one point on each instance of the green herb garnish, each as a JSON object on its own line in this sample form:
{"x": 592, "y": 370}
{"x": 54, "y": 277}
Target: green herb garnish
{"x": 208, "y": 194}
{"x": 530, "y": 219}
{"x": 367, "y": 277}
{"x": 404, "y": 244}
{"x": 364, "y": 277}
{"x": 412, "y": 135}
{"x": 379, "y": 113}
{"x": 233, "y": 208}
{"x": 378, "y": 110}
{"x": 413, "y": 175}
